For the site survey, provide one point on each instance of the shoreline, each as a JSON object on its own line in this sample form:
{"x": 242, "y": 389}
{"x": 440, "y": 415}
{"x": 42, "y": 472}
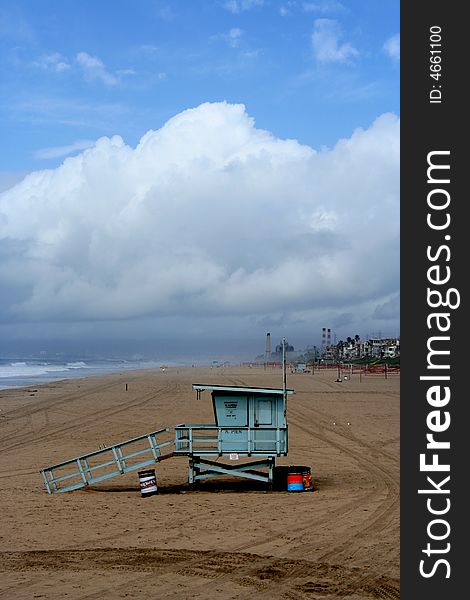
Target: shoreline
{"x": 70, "y": 372}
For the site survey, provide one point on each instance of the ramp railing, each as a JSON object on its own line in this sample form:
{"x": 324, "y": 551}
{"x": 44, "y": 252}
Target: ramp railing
{"x": 114, "y": 460}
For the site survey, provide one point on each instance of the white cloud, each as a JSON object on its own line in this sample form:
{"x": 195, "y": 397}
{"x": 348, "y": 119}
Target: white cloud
{"x": 94, "y": 68}
{"x": 52, "y": 62}
{"x": 323, "y": 7}
{"x": 233, "y": 37}
{"x": 59, "y": 151}
{"x": 207, "y": 217}
{"x": 124, "y": 72}
{"x": 392, "y": 47}
{"x": 238, "y": 6}
{"x": 326, "y": 38}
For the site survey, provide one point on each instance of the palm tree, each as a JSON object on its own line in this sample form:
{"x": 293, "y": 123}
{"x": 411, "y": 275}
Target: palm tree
{"x": 339, "y": 349}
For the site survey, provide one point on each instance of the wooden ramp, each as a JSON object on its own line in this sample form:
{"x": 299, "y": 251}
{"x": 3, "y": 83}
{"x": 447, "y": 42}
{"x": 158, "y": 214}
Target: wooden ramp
{"x": 112, "y": 461}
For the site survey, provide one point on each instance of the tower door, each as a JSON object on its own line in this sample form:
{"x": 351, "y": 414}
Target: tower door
{"x": 264, "y": 414}
{"x": 263, "y": 423}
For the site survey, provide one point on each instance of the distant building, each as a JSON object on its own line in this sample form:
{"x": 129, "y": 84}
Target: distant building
{"x": 381, "y": 348}
{"x": 325, "y": 337}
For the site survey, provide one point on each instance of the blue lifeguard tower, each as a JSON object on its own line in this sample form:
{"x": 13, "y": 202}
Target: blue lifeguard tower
{"x": 249, "y": 422}
{"x": 248, "y": 433}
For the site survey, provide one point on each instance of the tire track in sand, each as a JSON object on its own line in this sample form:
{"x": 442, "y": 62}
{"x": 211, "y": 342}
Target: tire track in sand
{"x": 21, "y": 439}
{"x": 386, "y": 477}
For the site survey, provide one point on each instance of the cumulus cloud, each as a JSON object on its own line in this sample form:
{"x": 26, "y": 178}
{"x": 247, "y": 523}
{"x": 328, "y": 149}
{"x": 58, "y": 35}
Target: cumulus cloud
{"x": 207, "y": 217}
{"x": 326, "y": 43}
{"x": 392, "y": 47}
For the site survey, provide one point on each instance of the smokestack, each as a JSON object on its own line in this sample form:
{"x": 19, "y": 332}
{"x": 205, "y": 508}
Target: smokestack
{"x": 268, "y": 345}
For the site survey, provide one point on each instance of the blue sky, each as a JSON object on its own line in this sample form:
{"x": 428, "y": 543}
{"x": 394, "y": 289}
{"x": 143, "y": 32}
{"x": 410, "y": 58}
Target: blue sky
{"x": 198, "y": 173}
{"x": 72, "y": 71}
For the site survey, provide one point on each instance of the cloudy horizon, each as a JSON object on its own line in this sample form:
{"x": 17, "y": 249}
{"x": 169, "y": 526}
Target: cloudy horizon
{"x": 212, "y": 225}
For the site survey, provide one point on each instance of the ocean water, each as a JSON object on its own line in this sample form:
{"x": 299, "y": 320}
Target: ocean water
{"x": 25, "y": 372}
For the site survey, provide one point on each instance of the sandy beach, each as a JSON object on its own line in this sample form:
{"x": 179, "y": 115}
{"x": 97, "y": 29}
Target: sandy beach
{"x": 225, "y": 540}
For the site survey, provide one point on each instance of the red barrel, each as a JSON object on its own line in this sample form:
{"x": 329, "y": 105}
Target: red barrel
{"x": 299, "y": 479}
{"x": 295, "y": 481}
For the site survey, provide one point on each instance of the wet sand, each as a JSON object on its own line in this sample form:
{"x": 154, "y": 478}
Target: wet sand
{"x": 225, "y": 540}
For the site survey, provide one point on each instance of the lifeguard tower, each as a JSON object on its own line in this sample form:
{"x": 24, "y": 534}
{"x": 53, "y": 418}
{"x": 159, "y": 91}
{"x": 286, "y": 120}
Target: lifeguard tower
{"x": 249, "y": 422}
{"x": 248, "y": 433}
